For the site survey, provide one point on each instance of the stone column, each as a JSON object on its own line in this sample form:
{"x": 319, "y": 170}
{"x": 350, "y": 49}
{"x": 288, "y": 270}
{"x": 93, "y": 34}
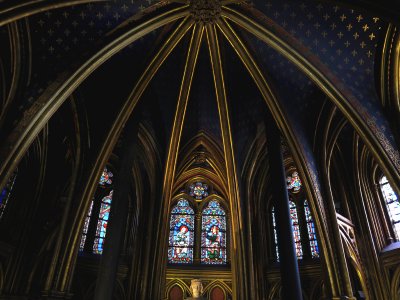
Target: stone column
{"x": 108, "y": 268}
{"x": 290, "y": 277}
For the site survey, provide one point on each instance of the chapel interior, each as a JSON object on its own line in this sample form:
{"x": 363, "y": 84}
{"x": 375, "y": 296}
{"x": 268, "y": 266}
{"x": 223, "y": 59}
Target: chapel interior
{"x": 250, "y": 148}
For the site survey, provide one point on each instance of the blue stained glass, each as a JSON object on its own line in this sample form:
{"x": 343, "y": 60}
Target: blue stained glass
{"x": 182, "y": 207}
{"x": 198, "y": 190}
{"x": 105, "y": 178}
{"x": 102, "y": 223}
{"x": 181, "y": 235}
{"x": 213, "y": 238}
{"x": 312, "y": 236}
{"x": 294, "y": 182}
{"x": 214, "y": 208}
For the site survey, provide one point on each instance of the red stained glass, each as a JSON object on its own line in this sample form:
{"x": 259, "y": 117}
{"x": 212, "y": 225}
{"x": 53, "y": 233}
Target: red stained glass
{"x": 312, "y": 236}
{"x": 181, "y": 234}
{"x": 213, "y": 237}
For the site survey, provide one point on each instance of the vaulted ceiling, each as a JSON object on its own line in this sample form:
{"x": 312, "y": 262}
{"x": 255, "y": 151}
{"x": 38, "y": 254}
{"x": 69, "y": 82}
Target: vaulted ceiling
{"x": 299, "y": 55}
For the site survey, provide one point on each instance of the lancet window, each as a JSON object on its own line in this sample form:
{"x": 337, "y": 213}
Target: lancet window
{"x": 213, "y": 236}
{"x": 392, "y": 205}
{"x": 303, "y": 227}
{"x": 198, "y": 228}
{"x": 181, "y": 233}
{"x": 96, "y": 220}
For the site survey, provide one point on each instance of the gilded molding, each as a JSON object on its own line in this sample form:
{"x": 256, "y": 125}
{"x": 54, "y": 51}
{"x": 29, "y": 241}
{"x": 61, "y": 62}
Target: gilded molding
{"x": 358, "y": 116}
{"x": 106, "y": 149}
{"x": 205, "y": 11}
{"x": 34, "y": 119}
{"x": 240, "y": 288}
{"x": 173, "y": 149}
{"x": 15, "y": 12}
{"x": 306, "y": 171}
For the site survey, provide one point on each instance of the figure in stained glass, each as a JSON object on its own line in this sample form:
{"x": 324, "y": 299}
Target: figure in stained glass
{"x": 213, "y": 239}
{"x": 105, "y": 178}
{"x": 181, "y": 238}
{"x": 294, "y": 182}
{"x": 181, "y": 241}
{"x": 213, "y": 243}
{"x": 198, "y": 190}
{"x": 102, "y": 224}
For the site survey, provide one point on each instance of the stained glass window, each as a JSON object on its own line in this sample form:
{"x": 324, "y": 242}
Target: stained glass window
{"x": 85, "y": 228}
{"x": 275, "y": 234}
{"x": 198, "y": 190}
{"x": 102, "y": 222}
{"x": 181, "y": 233}
{"x": 312, "y": 236}
{"x": 105, "y": 178}
{"x": 296, "y": 229}
{"x": 392, "y": 204}
{"x": 5, "y": 193}
{"x": 294, "y": 182}
{"x": 213, "y": 234}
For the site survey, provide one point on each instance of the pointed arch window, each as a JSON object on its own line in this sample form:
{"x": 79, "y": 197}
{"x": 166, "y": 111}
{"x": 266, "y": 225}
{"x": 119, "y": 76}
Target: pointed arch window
{"x": 303, "y": 227}
{"x": 181, "y": 234}
{"x": 213, "y": 236}
{"x": 312, "y": 236}
{"x": 296, "y": 229}
{"x": 392, "y": 204}
{"x": 96, "y": 220}
{"x": 102, "y": 223}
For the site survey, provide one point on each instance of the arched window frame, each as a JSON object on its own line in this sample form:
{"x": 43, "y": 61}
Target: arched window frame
{"x": 392, "y": 204}
{"x": 198, "y": 205}
{"x": 96, "y": 220}
{"x": 305, "y": 239}
{"x": 181, "y": 238}
{"x": 219, "y": 235}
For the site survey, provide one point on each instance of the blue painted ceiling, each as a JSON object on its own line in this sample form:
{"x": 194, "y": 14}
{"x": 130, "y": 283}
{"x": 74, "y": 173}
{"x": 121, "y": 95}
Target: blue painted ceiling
{"x": 344, "y": 40}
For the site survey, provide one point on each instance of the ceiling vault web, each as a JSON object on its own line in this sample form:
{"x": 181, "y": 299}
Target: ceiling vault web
{"x": 173, "y": 150}
{"x": 328, "y": 83}
{"x": 279, "y": 115}
{"x": 35, "y": 118}
{"x": 233, "y": 188}
{"x": 210, "y": 16}
{"x": 15, "y": 12}
{"x": 122, "y": 117}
